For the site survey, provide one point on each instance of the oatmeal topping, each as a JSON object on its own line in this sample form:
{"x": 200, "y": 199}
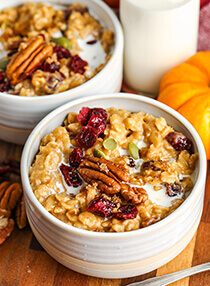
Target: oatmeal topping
{"x": 47, "y": 49}
{"x": 118, "y": 191}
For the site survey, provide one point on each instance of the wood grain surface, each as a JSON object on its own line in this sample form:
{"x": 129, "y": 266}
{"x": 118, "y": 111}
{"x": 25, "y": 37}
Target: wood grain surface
{"x": 24, "y": 262}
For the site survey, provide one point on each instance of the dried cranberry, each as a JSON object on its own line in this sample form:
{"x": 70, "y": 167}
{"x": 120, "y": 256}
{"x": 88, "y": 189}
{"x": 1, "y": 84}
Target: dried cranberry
{"x": 5, "y": 169}
{"x": 77, "y": 64}
{"x": 131, "y": 162}
{"x": 91, "y": 42}
{"x": 13, "y": 164}
{"x": 1, "y": 77}
{"x": 178, "y": 141}
{"x": 4, "y": 83}
{"x": 98, "y": 123}
{"x": 71, "y": 175}
{"x": 99, "y": 111}
{"x": 87, "y": 137}
{"x": 68, "y": 12}
{"x": 61, "y": 52}
{"x": 53, "y": 80}
{"x": 102, "y": 206}
{"x": 51, "y": 67}
{"x": 84, "y": 115}
{"x": 81, "y": 10}
{"x": 5, "y": 86}
{"x": 173, "y": 189}
{"x": 126, "y": 212}
{"x": 71, "y": 133}
{"x": 76, "y": 157}
{"x": 149, "y": 165}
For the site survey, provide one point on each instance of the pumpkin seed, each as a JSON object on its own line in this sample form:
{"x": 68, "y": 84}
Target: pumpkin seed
{"x": 110, "y": 144}
{"x": 3, "y": 25}
{"x": 98, "y": 153}
{"x": 134, "y": 150}
{"x": 63, "y": 42}
{"x": 3, "y": 64}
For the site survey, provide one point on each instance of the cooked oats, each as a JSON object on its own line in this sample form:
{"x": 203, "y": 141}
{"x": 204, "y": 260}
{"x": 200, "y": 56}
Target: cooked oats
{"x": 87, "y": 47}
{"x": 161, "y": 178}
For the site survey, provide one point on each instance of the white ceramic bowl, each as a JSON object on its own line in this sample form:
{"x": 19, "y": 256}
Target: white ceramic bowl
{"x": 19, "y": 115}
{"x": 115, "y": 255}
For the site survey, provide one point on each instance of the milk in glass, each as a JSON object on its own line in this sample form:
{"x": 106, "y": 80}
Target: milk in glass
{"x": 159, "y": 34}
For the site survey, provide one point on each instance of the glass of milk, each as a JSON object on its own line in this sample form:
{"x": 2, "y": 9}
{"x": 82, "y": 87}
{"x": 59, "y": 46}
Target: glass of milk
{"x": 159, "y": 34}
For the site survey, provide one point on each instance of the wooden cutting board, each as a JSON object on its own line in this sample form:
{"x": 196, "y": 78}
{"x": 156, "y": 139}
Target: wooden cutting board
{"x": 23, "y": 262}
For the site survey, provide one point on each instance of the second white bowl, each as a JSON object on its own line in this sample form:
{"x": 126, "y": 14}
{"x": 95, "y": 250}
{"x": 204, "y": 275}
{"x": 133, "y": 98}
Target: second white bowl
{"x": 115, "y": 255}
{"x": 19, "y": 115}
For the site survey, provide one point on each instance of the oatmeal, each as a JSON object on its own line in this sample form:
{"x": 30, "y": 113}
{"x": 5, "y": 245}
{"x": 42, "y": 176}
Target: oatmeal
{"x": 48, "y": 49}
{"x": 112, "y": 170}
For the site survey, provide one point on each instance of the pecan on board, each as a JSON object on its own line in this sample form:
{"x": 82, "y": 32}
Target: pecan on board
{"x": 5, "y": 213}
{"x": 9, "y": 195}
{"x": 6, "y": 228}
{"x": 3, "y": 187}
{"x": 108, "y": 175}
{"x": 26, "y": 59}
{"x": 133, "y": 194}
{"x": 20, "y": 213}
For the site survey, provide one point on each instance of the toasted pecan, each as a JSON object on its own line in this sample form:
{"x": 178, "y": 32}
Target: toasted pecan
{"x": 11, "y": 196}
{"x": 108, "y": 175}
{"x": 23, "y": 55}
{"x": 22, "y": 68}
{"x": 45, "y": 52}
{"x": 118, "y": 170}
{"x": 133, "y": 194}
{"x": 5, "y": 213}
{"x": 3, "y": 187}
{"x": 20, "y": 213}
{"x": 6, "y": 228}
{"x": 25, "y": 60}
{"x": 105, "y": 183}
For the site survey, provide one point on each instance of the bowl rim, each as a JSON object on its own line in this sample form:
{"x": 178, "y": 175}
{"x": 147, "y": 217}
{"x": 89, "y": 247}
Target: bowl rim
{"x": 119, "y": 38}
{"x": 202, "y": 167}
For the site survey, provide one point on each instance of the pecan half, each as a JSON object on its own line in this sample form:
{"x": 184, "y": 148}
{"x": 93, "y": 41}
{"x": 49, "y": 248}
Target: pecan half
{"x": 133, "y": 194}
{"x": 173, "y": 189}
{"x": 20, "y": 213}
{"x": 108, "y": 175}
{"x": 5, "y": 213}
{"x": 6, "y": 228}
{"x": 35, "y": 52}
{"x": 10, "y": 196}
{"x": 3, "y": 187}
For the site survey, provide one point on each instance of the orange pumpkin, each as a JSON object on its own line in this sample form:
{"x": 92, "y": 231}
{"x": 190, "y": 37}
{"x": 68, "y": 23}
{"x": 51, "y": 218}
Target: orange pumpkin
{"x": 186, "y": 88}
